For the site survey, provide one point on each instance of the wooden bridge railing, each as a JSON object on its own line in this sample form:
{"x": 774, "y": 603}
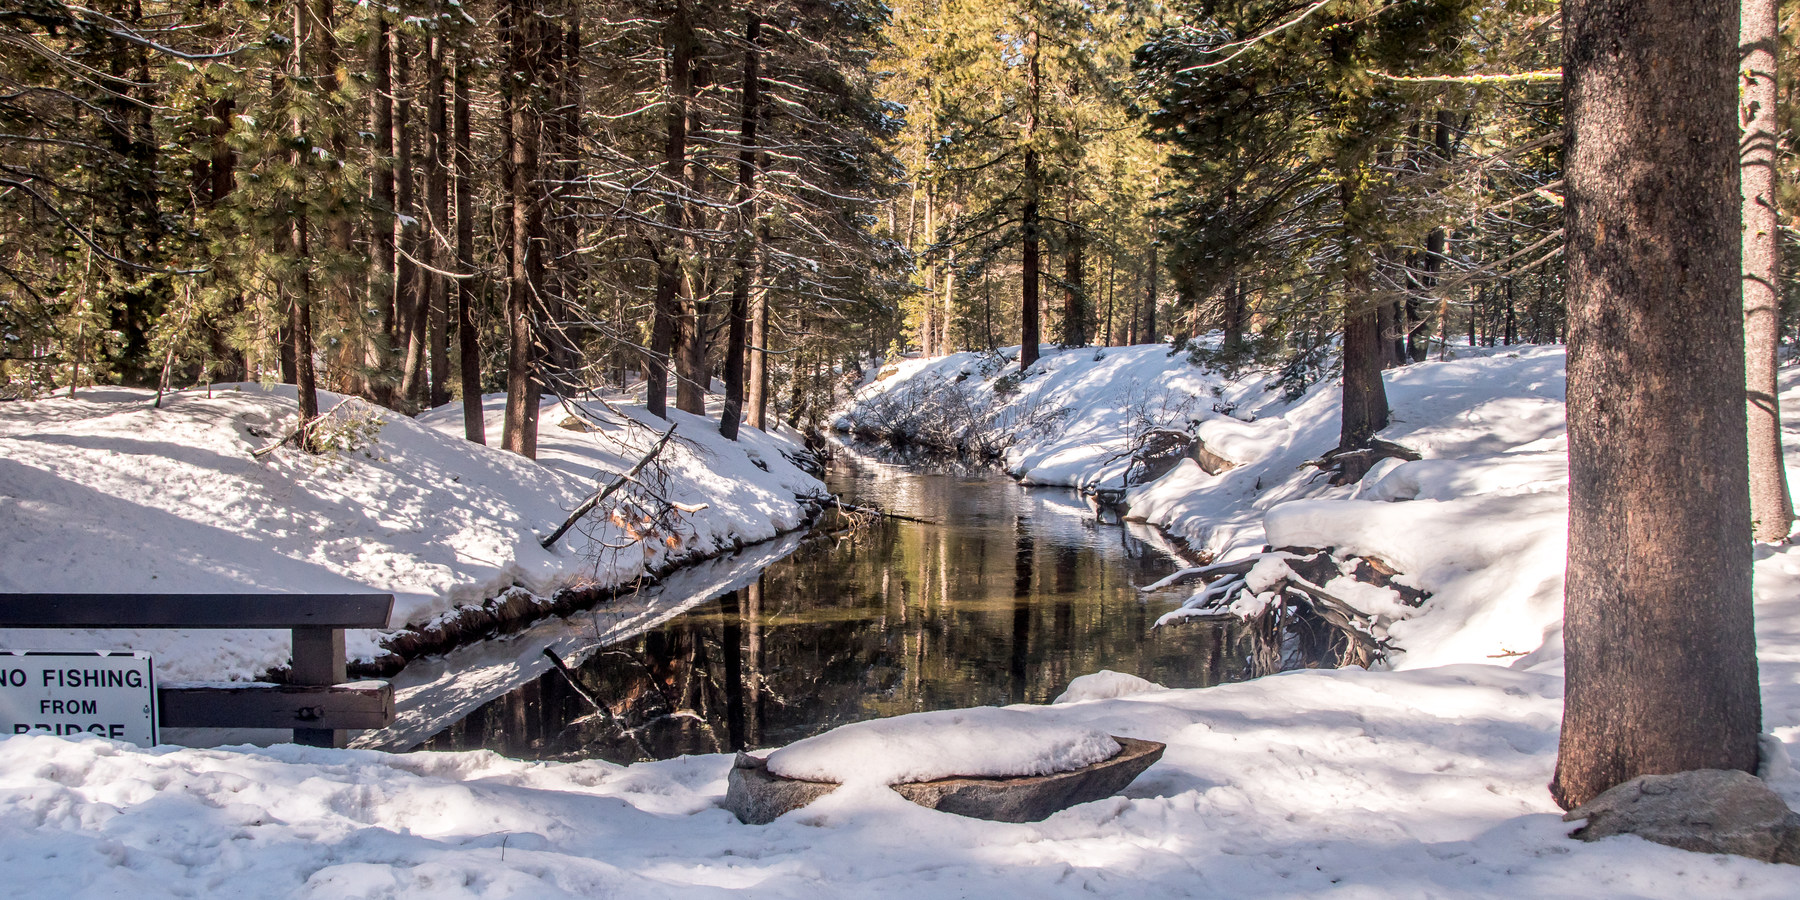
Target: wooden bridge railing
{"x": 316, "y": 702}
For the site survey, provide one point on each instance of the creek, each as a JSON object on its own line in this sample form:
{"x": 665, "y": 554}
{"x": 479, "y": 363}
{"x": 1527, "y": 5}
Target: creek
{"x": 1005, "y": 596}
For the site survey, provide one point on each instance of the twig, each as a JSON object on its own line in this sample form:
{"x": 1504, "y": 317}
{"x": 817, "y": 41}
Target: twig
{"x": 598, "y": 496}
{"x": 873, "y": 511}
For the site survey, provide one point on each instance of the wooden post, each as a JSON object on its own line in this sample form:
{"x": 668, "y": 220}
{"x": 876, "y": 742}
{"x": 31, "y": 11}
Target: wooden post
{"x": 318, "y": 660}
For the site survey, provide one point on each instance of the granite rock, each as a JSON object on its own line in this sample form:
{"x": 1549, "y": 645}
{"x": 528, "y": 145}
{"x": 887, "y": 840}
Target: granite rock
{"x": 1706, "y": 811}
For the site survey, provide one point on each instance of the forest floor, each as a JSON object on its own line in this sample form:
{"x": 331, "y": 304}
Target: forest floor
{"x": 1426, "y": 780}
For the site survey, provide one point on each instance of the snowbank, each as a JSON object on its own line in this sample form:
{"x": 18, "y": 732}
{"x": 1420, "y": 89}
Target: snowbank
{"x": 1337, "y": 784}
{"x": 983, "y": 741}
{"x": 104, "y": 492}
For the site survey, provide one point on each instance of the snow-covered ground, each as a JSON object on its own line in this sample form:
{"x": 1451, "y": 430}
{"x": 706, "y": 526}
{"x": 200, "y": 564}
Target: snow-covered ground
{"x": 105, "y": 492}
{"x": 1423, "y": 782}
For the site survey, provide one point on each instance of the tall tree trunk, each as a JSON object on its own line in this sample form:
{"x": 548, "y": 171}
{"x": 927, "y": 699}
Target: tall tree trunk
{"x": 758, "y": 388}
{"x": 300, "y": 301}
{"x": 1233, "y": 344}
{"x": 437, "y": 219}
{"x": 1365, "y": 407}
{"x": 679, "y": 43}
{"x": 526, "y": 278}
{"x": 381, "y": 288}
{"x": 408, "y": 304}
{"x": 1029, "y": 224}
{"x": 944, "y": 345}
{"x": 468, "y": 347}
{"x": 750, "y": 92}
{"x": 1075, "y": 302}
{"x": 692, "y": 377}
{"x": 1771, "y": 507}
{"x": 1660, "y": 646}
{"x": 1388, "y": 327}
{"x": 1147, "y": 311}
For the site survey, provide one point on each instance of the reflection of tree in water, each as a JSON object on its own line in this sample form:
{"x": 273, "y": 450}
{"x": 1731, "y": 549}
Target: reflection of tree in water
{"x": 904, "y": 618}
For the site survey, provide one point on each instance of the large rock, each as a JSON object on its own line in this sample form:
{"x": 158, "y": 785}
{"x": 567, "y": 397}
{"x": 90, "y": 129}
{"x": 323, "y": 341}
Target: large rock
{"x": 1707, "y": 811}
{"x": 758, "y": 797}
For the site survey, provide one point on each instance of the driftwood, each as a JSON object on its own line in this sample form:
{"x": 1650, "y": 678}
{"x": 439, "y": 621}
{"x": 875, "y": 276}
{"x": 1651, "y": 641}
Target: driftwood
{"x": 1307, "y": 570}
{"x": 1348, "y": 466}
{"x": 599, "y": 496}
{"x": 875, "y": 511}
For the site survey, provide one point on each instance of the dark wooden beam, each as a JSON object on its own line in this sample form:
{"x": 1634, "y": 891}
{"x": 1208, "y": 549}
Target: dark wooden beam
{"x": 266, "y": 610}
{"x": 356, "y": 705}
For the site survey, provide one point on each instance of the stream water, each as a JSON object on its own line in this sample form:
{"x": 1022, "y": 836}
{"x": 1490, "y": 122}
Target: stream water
{"x": 1009, "y": 593}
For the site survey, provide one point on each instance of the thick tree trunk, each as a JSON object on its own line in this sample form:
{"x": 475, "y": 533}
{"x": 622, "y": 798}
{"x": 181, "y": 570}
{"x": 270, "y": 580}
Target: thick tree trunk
{"x": 1658, "y": 632}
{"x": 468, "y": 347}
{"x": 1075, "y": 302}
{"x": 1771, "y": 507}
{"x": 1365, "y": 407}
{"x": 1233, "y": 344}
{"x": 750, "y": 92}
{"x": 526, "y": 278}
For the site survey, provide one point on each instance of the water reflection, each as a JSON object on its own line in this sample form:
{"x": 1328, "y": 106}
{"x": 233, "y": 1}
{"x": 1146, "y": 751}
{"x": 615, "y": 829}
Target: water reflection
{"x": 1013, "y": 593}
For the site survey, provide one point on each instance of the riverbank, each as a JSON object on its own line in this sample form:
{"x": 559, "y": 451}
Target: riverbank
{"x": 1484, "y": 535}
{"x": 104, "y": 492}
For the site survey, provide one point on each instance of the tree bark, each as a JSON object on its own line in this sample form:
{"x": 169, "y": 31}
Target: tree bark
{"x": 468, "y": 345}
{"x": 750, "y": 94}
{"x": 1365, "y": 406}
{"x": 1771, "y": 506}
{"x": 1075, "y": 301}
{"x": 1658, "y": 632}
{"x": 409, "y": 313}
{"x": 1146, "y": 332}
{"x": 437, "y": 219}
{"x": 525, "y": 281}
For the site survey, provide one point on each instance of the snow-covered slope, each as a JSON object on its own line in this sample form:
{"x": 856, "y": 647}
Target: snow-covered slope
{"x": 104, "y": 492}
{"x": 1479, "y": 521}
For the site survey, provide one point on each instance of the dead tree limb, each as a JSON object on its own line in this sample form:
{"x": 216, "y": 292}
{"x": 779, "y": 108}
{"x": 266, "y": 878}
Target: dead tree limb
{"x": 874, "y": 511}
{"x": 600, "y": 495}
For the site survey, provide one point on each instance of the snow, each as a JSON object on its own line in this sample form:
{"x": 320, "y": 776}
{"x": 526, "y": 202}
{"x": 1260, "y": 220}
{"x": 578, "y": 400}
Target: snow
{"x": 1106, "y": 685}
{"x": 982, "y": 741}
{"x": 1425, "y": 781}
{"x": 106, "y": 493}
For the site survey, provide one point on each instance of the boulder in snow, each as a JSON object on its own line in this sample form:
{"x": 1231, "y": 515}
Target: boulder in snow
{"x": 1706, "y": 811}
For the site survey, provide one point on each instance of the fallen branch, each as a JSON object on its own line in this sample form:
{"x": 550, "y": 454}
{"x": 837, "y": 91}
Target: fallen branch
{"x": 874, "y": 511}
{"x": 300, "y": 431}
{"x": 599, "y": 496}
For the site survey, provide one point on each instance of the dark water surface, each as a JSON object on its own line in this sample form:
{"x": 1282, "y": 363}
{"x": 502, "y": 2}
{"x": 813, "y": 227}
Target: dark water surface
{"x": 1013, "y": 592}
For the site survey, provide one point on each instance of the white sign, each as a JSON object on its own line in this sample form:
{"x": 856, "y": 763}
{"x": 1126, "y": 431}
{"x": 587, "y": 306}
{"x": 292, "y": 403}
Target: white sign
{"x": 112, "y": 695}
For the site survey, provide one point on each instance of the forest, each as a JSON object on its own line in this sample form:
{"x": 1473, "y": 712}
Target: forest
{"x": 751, "y": 200}
{"x": 697, "y": 444}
